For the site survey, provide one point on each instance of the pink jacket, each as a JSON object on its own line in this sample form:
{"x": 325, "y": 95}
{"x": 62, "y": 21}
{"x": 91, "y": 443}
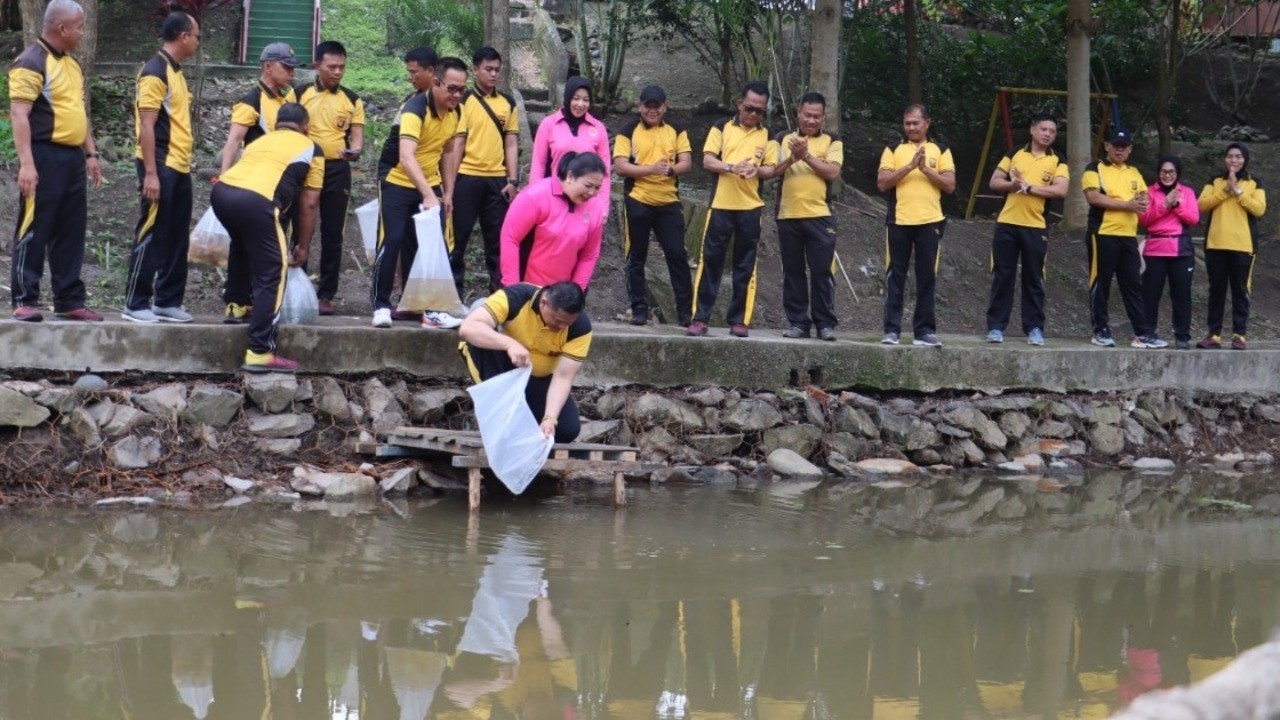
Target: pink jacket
{"x": 1169, "y": 231}
{"x": 554, "y": 139}
{"x": 565, "y": 238}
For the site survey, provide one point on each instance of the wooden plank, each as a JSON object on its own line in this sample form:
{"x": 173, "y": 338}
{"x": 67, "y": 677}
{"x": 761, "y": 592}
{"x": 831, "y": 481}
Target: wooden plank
{"x": 473, "y": 490}
{"x": 384, "y": 450}
{"x": 570, "y": 464}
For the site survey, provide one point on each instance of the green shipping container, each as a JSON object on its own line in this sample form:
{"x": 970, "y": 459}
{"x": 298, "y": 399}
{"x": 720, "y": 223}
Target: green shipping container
{"x": 296, "y": 22}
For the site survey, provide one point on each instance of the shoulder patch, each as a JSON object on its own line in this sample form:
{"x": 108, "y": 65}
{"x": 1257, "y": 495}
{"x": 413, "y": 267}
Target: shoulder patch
{"x": 1091, "y": 166}
{"x": 510, "y": 100}
{"x": 253, "y": 98}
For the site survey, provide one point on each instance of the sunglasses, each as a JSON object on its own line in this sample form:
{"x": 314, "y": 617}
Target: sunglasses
{"x": 752, "y": 110}
{"x": 453, "y": 89}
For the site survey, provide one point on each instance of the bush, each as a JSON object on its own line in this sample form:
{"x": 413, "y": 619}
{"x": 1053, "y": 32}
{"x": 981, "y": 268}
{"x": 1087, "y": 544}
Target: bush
{"x": 449, "y": 26}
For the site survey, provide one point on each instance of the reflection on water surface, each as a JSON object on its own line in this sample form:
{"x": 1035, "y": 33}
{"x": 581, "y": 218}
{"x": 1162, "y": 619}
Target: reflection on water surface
{"x": 955, "y": 598}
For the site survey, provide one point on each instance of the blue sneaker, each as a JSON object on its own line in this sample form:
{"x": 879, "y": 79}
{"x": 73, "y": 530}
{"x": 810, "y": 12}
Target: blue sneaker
{"x": 995, "y": 336}
{"x": 1035, "y": 337}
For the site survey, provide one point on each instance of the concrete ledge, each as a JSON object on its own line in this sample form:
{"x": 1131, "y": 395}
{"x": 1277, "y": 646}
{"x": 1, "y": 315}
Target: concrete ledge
{"x": 660, "y": 357}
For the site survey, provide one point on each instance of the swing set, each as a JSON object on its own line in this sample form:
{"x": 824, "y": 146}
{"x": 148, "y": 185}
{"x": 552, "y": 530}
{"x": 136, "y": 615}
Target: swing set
{"x": 1000, "y": 110}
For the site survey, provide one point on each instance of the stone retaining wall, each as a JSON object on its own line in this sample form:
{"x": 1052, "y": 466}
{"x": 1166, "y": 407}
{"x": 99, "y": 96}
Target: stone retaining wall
{"x": 273, "y": 431}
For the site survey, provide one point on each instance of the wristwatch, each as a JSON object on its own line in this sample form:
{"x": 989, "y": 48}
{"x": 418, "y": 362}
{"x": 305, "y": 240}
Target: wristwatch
{"x": 90, "y": 155}
{"x": 513, "y": 182}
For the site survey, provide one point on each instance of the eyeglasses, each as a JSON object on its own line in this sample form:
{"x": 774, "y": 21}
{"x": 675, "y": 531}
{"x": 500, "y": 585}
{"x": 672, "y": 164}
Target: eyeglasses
{"x": 453, "y": 89}
{"x": 752, "y": 110}
{"x": 1168, "y": 172}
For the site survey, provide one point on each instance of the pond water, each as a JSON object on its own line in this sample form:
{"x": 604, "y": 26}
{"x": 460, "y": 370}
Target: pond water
{"x": 957, "y": 598}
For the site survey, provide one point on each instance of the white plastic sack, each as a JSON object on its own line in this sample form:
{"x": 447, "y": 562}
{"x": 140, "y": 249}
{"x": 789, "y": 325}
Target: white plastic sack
{"x": 367, "y": 215}
{"x": 301, "y": 306}
{"x": 430, "y": 285}
{"x": 210, "y": 243}
{"x": 513, "y": 442}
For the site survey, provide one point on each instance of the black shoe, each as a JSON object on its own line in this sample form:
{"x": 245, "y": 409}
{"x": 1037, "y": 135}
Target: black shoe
{"x": 795, "y": 332}
{"x": 828, "y": 334}
{"x": 639, "y": 318}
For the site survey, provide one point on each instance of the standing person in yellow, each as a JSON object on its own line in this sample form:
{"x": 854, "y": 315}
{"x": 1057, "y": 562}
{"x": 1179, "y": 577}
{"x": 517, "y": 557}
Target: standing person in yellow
{"x": 490, "y": 170}
{"x": 282, "y": 168}
{"x": 1030, "y": 177}
{"x": 809, "y": 161}
{"x": 650, "y": 154}
{"x": 417, "y": 169}
{"x": 914, "y": 175}
{"x": 55, "y": 149}
{"x": 162, "y": 121}
{"x": 1117, "y": 195}
{"x": 337, "y": 126}
{"x": 1234, "y": 201}
{"x": 739, "y": 151}
{"x": 253, "y": 116}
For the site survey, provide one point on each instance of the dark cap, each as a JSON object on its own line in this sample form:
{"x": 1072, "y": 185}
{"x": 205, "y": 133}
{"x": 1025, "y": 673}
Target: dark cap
{"x": 653, "y": 93}
{"x": 281, "y": 53}
{"x": 1120, "y": 137}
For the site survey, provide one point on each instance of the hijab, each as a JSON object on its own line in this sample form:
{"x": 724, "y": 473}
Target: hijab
{"x": 1244, "y": 150}
{"x": 571, "y": 86}
{"x": 1176, "y": 162}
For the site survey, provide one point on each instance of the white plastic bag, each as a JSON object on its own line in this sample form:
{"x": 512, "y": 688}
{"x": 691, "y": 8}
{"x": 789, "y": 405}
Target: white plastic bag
{"x": 367, "y": 215}
{"x": 513, "y": 442}
{"x": 301, "y": 306}
{"x": 210, "y": 243}
{"x": 430, "y": 285}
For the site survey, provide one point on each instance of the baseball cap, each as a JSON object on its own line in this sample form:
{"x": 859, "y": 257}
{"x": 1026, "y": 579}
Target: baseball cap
{"x": 1120, "y": 137}
{"x": 279, "y": 52}
{"x": 653, "y": 93}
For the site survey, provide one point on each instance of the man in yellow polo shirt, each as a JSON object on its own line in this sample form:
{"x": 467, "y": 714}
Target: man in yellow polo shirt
{"x": 914, "y": 174}
{"x": 418, "y": 167}
{"x": 490, "y": 170}
{"x": 1117, "y": 195}
{"x": 523, "y": 324}
{"x": 810, "y": 161}
{"x": 55, "y": 151}
{"x": 1030, "y": 176}
{"x": 738, "y": 150}
{"x": 337, "y": 126}
{"x": 650, "y": 154}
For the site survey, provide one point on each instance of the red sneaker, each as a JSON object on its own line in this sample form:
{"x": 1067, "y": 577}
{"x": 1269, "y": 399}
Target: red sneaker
{"x": 80, "y": 314}
{"x": 738, "y": 330}
{"x": 270, "y": 363}
{"x": 696, "y": 329}
{"x": 27, "y": 313}
{"x": 327, "y": 307}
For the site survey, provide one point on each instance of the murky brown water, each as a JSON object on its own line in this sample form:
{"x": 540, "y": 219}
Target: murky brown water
{"x": 693, "y": 603}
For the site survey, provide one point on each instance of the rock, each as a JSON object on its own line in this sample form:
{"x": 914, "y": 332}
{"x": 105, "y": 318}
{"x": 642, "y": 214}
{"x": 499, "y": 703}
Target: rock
{"x": 18, "y": 410}
{"x": 678, "y": 474}
{"x": 286, "y": 425}
{"x": 707, "y": 397}
{"x": 1063, "y": 410}
{"x": 399, "y": 482}
{"x": 964, "y": 518}
{"x": 844, "y": 467}
{"x": 1011, "y": 508}
{"x": 657, "y": 444}
{"x": 26, "y": 387}
{"x": 1106, "y": 415}
{"x": 800, "y": 439}
{"x": 1015, "y": 425}
{"x": 718, "y": 475}
{"x": 434, "y": 405}
{"x": 381, "y": 404}
{"x": 887, "y": 466}
{"x": 855, "y": 420}
{"x": 1106, "y": 439}
{"x": 134, "y": 452}
{"x": 1149, "y": 423}
{"x": 751, "y": 415}
{"x": 310, "y": 481}
{"x": 789, "y": 463}
{"x": 988, "y": 434}
{"x": 1055, "y": 429}
{"x": 207, "y": 435}
{"x": 239, "y": 485}
{"x": 1227, "y": 461}
{"x": 1005, "y": 404}
{"x": 922, "y": 435}
{"x": 926, "y": 456}
{"x": 1134, "y": 434}
{"x": 715, "y": 446}
{"x": 89, "y": 384}
{"x": 598, "y": 431}
{"x": 109, "y": 502}
{"x": 1262, "y": 411}
{"x": 329, "y": 399}
{"x": 58, "y": 399}
{"x": 848, "y": 445}
{"x": 952, "y": 431}
{"x": 1154, "y": 464}
{"x": 1187, "y": 434}
{"x": 894, "y": 428}
{"x": 962, "y": 415}
{"x": 1264, "y": 459}
{"x": 273, "y": 392}
{"x": 306, "y": 391}
{"x": 973, "y": 454}
{"x": 83, "y": 428}
{"x": 1023, "y": 464}
{"x": 122, "y": 421}
{"x": 610, "y": 405}
{"x": 166, "y": 401}
{"x": 815, "y": 412}
{"x": 281, "y": 446}
{"x": 210, "y": 405}
{"x": 1054, "y": 448}
{"x": 654, "y": 409}
{"x": 435, "y": 480}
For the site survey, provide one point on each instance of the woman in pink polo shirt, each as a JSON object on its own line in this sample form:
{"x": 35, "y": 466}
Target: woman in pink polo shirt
{"x": 553, "y": 229}
{"x": 573, "y": 129}
{"x": 1167, "y": 252}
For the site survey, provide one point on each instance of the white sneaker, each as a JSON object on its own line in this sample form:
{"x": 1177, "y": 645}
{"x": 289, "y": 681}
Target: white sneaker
{"x": 441, "y": 320}
{"x": 171, "y": 314}
{"x": 140, "y": 316}
{"x": 382, "y": 318}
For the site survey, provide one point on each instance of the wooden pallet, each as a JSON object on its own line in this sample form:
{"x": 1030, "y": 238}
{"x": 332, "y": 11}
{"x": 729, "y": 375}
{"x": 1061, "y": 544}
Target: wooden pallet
{"x": 467, "y": 451}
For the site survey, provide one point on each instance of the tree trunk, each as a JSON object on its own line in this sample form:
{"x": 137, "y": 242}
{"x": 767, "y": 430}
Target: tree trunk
{"x": 1079, "y": 138}
{"x": 1166, "y": 73}
{"x": 727, "y": 91}
{"x": 824, "y": 58}
{"x": 915, "y": 85}
{"x": 32, "y": 19}
{"x": 498, "y": 30}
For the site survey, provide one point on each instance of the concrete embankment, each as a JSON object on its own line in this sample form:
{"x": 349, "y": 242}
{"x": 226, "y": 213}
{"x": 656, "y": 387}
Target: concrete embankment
{"x": 167, "y": 411}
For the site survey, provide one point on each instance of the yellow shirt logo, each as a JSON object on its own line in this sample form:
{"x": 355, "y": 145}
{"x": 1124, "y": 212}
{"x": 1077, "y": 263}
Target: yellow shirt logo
{"x": 1046, "y": 177}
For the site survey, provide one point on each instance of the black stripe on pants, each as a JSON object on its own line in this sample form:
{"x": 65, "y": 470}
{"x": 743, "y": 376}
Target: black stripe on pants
{"x": 926, "y": 241}
{"x": 335, "y": 196}
{"x": 1178, "y": 271}
{"x": 1234, "y": 270}
{"x": 1115, "y": 256}
{"x": 397, "y": 240}
{"x": 484, "y": 364}
{"x": 808, "y": 250}
{"x": 666, "y": 223}
{"x": 158, "y": 261}
{"x": 253, "y": 222}
{"x": 52, "y": 223}
{"x": 478, "y": 198}
{"x": 742, "y": 229}
{"x": 1011, "y": 246}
